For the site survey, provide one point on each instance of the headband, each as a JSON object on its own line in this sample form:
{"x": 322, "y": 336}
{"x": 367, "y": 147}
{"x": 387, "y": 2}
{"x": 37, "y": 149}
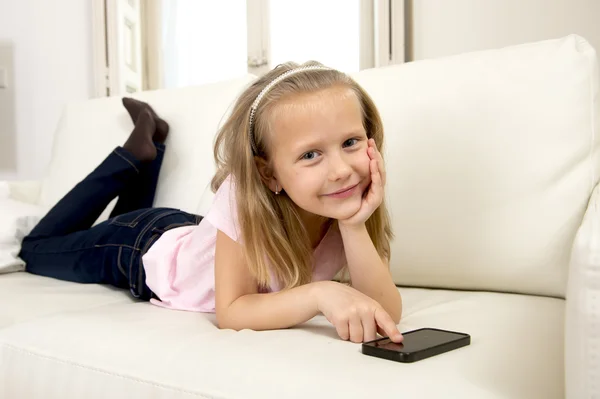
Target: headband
{"x": 268, "y": 88}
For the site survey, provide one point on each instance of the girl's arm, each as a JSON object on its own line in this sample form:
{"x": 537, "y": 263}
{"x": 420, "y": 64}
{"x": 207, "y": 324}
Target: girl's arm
{"x": 240, "y": 306}
{"x": 368, "y": 272}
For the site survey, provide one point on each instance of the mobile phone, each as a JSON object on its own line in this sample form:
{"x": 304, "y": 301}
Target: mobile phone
{"x": 417, "y": 345}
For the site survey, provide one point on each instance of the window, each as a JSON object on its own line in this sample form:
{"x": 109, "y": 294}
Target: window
{"x": 203, "y": 41}
{"x": 208, "y": 41}
{"x": 327, "y": 31}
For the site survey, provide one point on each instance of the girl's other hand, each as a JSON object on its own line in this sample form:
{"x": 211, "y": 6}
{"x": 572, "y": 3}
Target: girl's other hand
{"x": 373, "y": 196}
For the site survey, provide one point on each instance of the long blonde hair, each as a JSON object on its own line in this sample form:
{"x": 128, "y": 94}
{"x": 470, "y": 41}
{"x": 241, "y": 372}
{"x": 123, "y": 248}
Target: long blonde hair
{"x": 273, "y": 235}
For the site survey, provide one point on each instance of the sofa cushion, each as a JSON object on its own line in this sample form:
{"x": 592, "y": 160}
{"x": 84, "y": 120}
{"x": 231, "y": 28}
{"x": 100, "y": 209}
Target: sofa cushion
{"x": 74, "y": 341}
{"x": 491, "y": 159}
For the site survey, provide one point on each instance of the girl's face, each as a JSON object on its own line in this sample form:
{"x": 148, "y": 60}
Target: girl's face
{"x": 319, "y": 152}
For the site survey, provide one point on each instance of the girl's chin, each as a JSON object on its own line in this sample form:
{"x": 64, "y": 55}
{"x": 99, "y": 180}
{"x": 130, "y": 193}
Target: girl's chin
{"x": 346, "y": 211}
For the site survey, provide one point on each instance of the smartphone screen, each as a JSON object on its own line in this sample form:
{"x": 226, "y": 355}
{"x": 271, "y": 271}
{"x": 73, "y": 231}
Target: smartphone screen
{"x": 419, "y": 340}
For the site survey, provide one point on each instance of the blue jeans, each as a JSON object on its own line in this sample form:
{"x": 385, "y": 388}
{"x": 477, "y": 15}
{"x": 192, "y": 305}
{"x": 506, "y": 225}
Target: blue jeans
{"x": 65, "y": 245}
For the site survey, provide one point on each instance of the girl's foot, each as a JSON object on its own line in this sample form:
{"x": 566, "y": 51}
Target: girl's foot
{"x": 140, "y": 142}
{"x": 134, "y": 107}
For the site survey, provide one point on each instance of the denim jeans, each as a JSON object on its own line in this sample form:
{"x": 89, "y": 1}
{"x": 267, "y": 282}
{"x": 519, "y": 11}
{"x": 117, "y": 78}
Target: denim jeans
{"x": 65, "y": 244}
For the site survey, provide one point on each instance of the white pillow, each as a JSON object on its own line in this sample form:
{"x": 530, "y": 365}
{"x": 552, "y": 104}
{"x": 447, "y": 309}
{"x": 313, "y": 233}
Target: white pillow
{"x": 17, "y": 219}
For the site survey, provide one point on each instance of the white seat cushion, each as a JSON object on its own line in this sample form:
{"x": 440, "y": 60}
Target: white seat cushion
{"x": 74, "y": 341}
{"x": 27, "y": 297}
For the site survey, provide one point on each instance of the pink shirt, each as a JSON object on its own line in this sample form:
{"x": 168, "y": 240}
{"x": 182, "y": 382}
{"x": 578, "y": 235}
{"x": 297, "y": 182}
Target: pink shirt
{"x": 180, "y": 265}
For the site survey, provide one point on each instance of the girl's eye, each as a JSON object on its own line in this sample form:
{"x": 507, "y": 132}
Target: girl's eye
{"x": 350, "y": 142}
{"x": 310, "y": 155}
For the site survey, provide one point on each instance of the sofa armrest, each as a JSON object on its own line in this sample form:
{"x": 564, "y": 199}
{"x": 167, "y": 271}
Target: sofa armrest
{"x": 25, "y": 191}
{"x": 582, "y": 318}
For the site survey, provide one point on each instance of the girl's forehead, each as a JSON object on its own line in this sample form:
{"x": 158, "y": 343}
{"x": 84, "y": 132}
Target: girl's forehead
{"x": 306, "y": 107}
{"x": 316, "y": 117}
{"x": 332, "y": 95}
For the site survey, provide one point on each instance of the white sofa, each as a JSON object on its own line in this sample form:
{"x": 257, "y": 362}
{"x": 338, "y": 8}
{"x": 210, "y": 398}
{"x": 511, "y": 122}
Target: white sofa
{"x": 492, "y": 159}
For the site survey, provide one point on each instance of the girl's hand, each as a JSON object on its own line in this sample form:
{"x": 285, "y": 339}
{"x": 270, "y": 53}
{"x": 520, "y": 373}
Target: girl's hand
{"x": 373, "y": 196}
{"x": 355, "y": 316}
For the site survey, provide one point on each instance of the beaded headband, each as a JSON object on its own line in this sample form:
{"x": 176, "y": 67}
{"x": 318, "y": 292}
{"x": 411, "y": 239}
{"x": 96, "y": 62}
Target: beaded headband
{"x": 268, "y": 88}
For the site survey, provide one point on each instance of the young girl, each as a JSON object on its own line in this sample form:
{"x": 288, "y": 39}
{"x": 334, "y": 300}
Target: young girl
{"x": 299, "y": 198}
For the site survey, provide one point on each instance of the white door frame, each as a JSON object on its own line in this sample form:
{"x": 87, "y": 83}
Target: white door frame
{"x": 116, "y": 72}
{"x": 259, "y": 45}
{"x": 99, "y": 49}
{"x": 389, "y": 32}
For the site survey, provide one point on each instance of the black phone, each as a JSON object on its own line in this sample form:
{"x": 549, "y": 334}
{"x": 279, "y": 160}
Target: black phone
{"x": 417, "y": 345}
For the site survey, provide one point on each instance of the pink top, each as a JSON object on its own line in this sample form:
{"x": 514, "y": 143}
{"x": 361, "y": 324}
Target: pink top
{"x": 180, "y": 264}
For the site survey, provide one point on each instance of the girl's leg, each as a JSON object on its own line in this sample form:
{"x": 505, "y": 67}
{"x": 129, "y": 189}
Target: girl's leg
{"x": 81, "y": 207}
{"x": 65, "y": 246}
{"x": 140, "y": 193}
{"x": 108, "y": 253}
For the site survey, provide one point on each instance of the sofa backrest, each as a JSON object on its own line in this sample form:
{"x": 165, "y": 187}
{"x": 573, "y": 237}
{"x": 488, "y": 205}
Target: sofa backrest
{"x": 491, "y": 158}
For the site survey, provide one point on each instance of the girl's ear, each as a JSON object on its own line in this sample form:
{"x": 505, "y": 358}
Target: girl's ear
{"x": 266, "y": 174}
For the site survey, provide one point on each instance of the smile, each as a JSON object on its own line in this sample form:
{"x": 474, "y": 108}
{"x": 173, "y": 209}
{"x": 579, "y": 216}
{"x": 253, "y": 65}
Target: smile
{"x": 344, "y": 193}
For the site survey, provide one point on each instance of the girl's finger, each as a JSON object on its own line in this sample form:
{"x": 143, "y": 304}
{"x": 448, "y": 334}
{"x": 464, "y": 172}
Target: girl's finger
{"x": 372, "y": 153}
{"x": 379, "y": 158}
{"x": 388, "y": 326}
{"x": 371, "y": 147}
{"x": 374, "y": 146}
{"x": 369, "y": 327}
{"x": 375, "y": 174}
{"x": 343, "y": 330}
{"x": 356, "y": 329}
{"x": 381, "y": 168}
{"x": 375, "y": 192}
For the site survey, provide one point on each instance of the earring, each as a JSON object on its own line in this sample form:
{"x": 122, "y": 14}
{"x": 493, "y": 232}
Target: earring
{"x": 276, "y": 189}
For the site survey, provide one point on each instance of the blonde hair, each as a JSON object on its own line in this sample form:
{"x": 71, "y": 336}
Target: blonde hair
{"x": 273, "y": 235}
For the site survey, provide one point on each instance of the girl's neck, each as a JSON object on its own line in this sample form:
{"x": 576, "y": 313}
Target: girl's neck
{"x": 316, "y": 226}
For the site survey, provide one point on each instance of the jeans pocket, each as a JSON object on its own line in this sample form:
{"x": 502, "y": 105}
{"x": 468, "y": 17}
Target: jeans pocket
{"x": 131, "y": 219}
{"x": 137, "y": 273}
{"x": 161, "y": 230}
{"x": 173, "y": 220}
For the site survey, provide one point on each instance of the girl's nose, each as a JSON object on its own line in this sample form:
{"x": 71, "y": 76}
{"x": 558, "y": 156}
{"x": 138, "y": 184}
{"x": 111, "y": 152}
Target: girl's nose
{"x": 339, "y": 168}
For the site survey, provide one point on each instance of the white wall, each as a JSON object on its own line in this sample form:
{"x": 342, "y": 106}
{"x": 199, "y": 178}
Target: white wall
{"x": 53, "y": 65}
{"x": 446, "y": 27}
